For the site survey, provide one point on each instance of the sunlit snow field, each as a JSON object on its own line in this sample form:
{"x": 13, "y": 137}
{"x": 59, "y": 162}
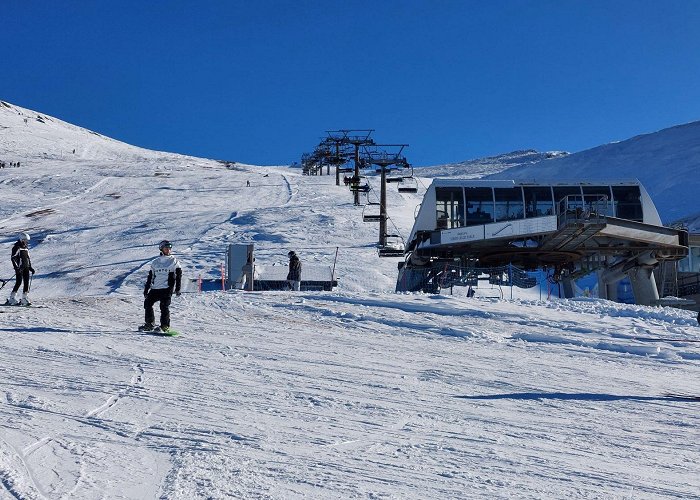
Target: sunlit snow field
{"x": 359, "y": 392}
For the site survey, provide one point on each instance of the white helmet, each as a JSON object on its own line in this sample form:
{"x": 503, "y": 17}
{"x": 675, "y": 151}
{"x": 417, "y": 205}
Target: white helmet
{"x": 24, "y": 237}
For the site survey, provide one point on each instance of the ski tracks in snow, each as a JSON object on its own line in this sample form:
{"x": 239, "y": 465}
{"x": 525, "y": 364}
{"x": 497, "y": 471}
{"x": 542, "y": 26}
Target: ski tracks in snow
{"x": 51, "y": 207}
{"x": 337, "y": 394}
{"x": 135, "y": 381}
{"x": 64, "y": 461}
{"x": 61, "y": 450}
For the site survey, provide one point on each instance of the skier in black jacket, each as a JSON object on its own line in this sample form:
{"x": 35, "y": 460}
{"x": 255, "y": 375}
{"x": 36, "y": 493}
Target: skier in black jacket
{"x": 23, "y": 267}
{"x": 294, "y": 274}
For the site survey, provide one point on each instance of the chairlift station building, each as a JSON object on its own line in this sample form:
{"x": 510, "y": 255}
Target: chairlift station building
{"x": 612, "y": 228}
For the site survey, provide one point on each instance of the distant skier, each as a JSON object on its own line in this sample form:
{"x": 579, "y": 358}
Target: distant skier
{"x": 23, "y": 267}
{"x": 164, "y": 276}
{"x": 294, "y": 274}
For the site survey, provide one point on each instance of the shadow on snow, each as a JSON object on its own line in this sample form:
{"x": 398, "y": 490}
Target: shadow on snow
{"x": 575, "y": 396}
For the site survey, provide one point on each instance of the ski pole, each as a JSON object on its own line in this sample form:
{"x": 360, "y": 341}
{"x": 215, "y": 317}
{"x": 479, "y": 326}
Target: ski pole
{"x": 5, "y": 282}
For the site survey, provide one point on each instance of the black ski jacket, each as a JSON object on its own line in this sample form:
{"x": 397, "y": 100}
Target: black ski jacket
{"x": 20, "y": 257}
{"x": 294, "y": 269}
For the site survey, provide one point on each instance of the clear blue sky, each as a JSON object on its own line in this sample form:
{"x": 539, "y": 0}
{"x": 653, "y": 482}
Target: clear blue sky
{"x": 260, "y": 81}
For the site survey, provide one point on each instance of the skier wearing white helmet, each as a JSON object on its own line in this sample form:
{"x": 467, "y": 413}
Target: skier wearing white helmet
{"x": 22, "y": 264}
{"x": 164, "y": 276}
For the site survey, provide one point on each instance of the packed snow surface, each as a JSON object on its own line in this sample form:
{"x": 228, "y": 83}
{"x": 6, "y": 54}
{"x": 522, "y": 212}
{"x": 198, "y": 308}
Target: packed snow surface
{"x": 355, "y": 393}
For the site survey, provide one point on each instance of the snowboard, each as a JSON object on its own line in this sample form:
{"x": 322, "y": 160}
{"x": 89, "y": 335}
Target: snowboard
{"x": 158, "y": 333}
{"x": 169, "y": 333}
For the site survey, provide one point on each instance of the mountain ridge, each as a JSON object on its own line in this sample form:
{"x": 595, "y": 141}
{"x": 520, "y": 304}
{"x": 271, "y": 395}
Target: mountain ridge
{"x": 488, "y": 165}
{"x": 664, "y": 161}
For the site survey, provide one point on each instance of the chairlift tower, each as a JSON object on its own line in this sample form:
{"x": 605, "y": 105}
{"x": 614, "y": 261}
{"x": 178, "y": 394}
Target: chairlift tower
{"x": 337, "y": 140}
{"x": 311, "y": 163}
{"x": 383, "y": 159}
{"x": 322, "y": 153}
{"x": 357, "y": 138}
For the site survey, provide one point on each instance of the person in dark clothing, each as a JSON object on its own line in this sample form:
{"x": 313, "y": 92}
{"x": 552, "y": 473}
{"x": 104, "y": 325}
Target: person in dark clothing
{"x": 294, "y": 274}
{"x": 22, "y": 264}
{"x": 164, "y": 276}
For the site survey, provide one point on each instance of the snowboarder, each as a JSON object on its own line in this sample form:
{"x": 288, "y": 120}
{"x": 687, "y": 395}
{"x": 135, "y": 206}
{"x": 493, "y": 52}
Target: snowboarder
{"x": 164, "y": 276}
{"x": 294, "y": 274}
{"x": 23, "y": 267}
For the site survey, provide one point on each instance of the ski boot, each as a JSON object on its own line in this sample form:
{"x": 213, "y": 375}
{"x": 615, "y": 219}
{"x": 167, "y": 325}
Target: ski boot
{"x": 146, "y": 327}
{"x": 25, "y": 301}
{"x": 12, "y": 301}
{"x": 161, "y": 329}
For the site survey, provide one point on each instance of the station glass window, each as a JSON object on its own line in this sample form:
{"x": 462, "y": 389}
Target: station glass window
{"x": 450, "y": 207}
{"x": 509, "y": 203}
{"x": 538, "y": 201}
{"x": 479, "y": 205}
{"x": 628, "y": 203}
{"x": 691, "y": 264}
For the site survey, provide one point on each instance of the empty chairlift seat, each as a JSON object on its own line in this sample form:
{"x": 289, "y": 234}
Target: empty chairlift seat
{"x": 394, "y": 246}
{"x": 408, "y": 185}
{"x": 371, "y": 213}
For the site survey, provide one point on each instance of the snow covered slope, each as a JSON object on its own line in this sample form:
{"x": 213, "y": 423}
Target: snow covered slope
{"x": 29, "y": 136}
{"x": 94, "y": 220}
{"x": 359, "y": 392}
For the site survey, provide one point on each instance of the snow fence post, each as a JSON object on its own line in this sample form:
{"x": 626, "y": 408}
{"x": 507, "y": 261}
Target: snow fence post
{"x": 510, "y": 278}
{"x": 333, "y": 271}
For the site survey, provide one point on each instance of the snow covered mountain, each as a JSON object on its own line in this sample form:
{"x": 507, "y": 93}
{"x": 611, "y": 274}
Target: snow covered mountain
{"x": 481, "y": 167}
{"x": 667, "y": 163}
{"x": 31, "y": 136}
{"x": 355, "y": 393}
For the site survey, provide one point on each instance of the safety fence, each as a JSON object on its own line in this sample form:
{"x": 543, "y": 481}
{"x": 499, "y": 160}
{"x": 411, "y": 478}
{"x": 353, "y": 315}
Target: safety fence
{"x": 445, "y": 276}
